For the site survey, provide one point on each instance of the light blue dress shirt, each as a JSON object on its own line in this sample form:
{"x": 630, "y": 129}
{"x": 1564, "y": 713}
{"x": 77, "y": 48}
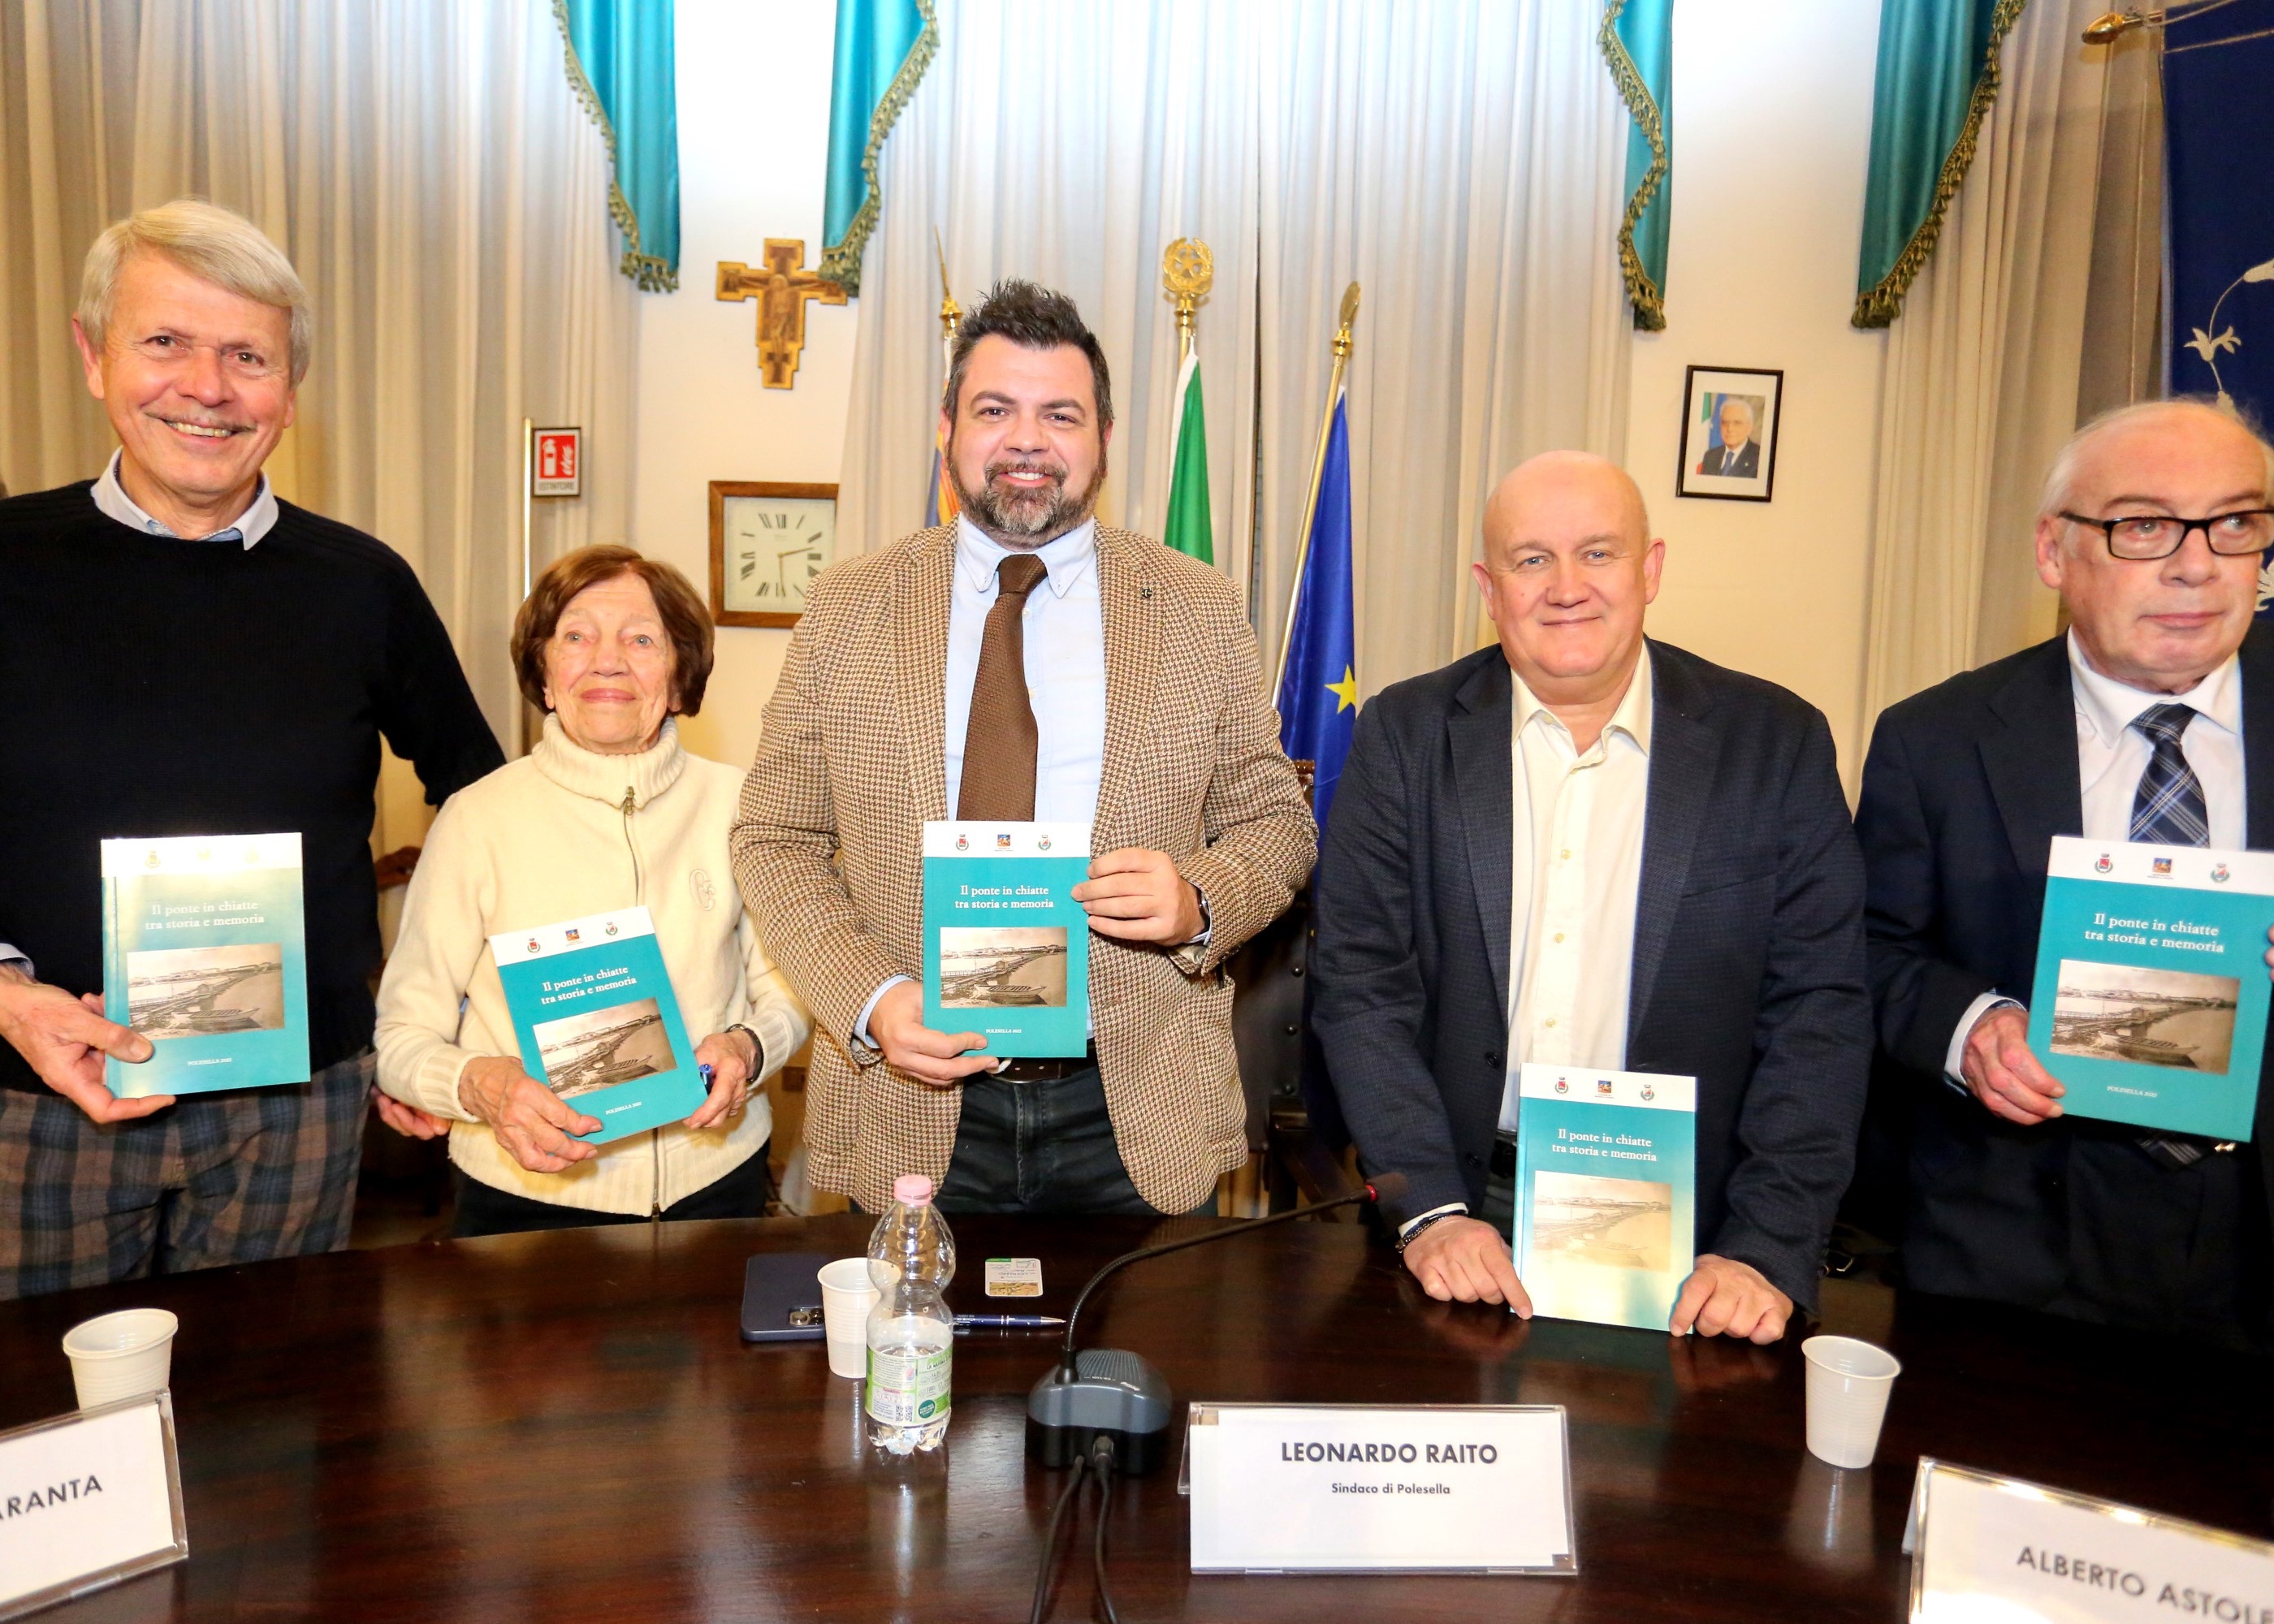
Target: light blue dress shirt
{"x": 255, "y": 521}
{"x": 1064, "y": 626}
{"x": 111, "y": 499}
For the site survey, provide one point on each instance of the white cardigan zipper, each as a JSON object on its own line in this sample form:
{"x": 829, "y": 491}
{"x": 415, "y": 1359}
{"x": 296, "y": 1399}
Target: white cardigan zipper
{"x": 639, "y": 898}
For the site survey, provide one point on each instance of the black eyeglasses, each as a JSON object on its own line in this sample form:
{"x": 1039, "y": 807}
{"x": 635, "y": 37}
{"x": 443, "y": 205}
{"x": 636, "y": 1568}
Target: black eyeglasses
{"x": 2142, "y": 537}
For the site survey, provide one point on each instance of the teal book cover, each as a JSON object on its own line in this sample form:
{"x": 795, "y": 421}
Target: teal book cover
{"x": 1606, "y": 1192}
{"x": 203, "y": 954}
{"x": 597, "y": 1021}
{"x": 2150, "y": 1000}
{"x": 1005, "y": 946}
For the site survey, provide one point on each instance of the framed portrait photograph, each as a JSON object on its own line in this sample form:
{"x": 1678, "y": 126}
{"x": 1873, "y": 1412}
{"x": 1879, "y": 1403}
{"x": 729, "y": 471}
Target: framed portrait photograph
{"x": 1731, "y": 420}
{"x": 768, "y": 541}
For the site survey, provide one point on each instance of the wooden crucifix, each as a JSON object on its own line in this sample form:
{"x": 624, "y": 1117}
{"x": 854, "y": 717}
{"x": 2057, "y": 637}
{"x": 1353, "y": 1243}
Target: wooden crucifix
{"x": 782, "y": 286}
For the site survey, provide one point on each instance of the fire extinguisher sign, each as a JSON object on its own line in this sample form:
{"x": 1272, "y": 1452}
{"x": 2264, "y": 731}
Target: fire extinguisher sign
{"x": 556, "y": 463}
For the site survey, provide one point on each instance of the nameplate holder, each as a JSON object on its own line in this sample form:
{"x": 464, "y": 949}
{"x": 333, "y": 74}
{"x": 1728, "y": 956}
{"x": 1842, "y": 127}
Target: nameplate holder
{"x": 1378, "y": 1488}
{"x": 88, "y": 1499}
{"x": 1982, "y": 1545}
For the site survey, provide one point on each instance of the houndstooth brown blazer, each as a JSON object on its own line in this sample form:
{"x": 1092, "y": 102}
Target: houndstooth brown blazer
{"x": 827, "y": 850}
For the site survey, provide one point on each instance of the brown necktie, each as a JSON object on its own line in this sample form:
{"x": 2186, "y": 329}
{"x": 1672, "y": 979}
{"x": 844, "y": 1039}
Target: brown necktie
{"x": 998, "y": 745}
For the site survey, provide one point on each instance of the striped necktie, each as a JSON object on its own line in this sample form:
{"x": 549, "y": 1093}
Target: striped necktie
{"x": 2167, "y": 810}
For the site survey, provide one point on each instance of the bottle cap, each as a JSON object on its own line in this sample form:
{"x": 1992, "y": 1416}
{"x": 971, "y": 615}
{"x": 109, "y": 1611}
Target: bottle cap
{"x": 912, "y": 1190}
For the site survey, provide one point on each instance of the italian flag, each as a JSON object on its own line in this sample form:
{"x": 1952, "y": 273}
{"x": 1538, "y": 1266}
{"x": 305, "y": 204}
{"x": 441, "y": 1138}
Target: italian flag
{"x": 1187, "y": 530}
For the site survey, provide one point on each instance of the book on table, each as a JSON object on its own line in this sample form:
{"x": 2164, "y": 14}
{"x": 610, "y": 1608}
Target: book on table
{"x": 204, "y": 954}
{"x": 1005, "y": 946}
{"x": 597, "y": 1021}
{"x": 1605, "y": 1197}
{"x": 2150, "y": 999}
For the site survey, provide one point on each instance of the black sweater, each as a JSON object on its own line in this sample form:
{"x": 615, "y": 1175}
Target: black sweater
{"x": 154, "y": 686}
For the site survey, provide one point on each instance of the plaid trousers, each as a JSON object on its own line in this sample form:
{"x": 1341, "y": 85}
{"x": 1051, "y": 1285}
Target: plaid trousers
{"x": 232, "y": 1177}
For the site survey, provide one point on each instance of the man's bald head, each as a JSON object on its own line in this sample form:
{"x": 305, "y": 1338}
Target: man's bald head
{"x": 1569, "y": 567}
{"x": 1558, "y": 481}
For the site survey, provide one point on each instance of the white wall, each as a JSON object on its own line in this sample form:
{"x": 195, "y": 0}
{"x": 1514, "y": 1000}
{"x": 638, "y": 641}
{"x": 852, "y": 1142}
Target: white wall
{"x": 1772, "y": 126}
{"x": 753, "y": 135}
{"x": 1771, "y": 131}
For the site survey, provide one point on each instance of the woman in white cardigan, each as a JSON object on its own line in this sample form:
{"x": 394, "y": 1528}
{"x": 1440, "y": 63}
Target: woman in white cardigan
{"x": 607, "y": 812}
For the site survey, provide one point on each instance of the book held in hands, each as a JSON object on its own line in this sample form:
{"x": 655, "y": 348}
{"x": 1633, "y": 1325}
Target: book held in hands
{"x": 203, "y": 954}
{"x": 1606, "y": 1181}
{"x": 2150, "y": 1001}
{"x": 597, "y": 1021}
{"x": 1005, "y": 946}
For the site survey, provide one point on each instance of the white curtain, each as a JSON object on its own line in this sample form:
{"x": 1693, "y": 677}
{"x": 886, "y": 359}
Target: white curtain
{"x": 1983, "y": 369}
{"x": 444, "y": 197}
{"x": 1462, "y": 159}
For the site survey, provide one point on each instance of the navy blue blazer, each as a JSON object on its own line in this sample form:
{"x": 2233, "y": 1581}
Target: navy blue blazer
{"x": 1964, "y": 788}
{"x": 1748, "y": 970}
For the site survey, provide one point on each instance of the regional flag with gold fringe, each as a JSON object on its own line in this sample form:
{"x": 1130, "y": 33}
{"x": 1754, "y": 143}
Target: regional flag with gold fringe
{"x": 1318, "y": 676}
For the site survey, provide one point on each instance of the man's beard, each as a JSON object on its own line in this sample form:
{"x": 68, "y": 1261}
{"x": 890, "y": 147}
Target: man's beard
{"x": 1018, "y": 517}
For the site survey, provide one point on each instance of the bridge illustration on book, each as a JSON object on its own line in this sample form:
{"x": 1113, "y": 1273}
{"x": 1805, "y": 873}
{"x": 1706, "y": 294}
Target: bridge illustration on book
{"x": 580, "y": 1056}
{"x": 2125, "y": 1032}
{"x": 167, "y": 997}
{"x": 987, "y": 975}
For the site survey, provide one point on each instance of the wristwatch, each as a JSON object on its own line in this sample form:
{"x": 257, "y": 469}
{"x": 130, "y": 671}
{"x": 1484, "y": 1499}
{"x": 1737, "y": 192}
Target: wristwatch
{"x": 757, "y": 1051}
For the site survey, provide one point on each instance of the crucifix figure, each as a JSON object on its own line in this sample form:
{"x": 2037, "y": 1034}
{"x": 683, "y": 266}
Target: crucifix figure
{"x": 782, "y": 286}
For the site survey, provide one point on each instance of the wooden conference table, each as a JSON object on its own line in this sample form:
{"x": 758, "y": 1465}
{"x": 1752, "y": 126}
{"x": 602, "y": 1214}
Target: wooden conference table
{"x": 567, "y": 1427}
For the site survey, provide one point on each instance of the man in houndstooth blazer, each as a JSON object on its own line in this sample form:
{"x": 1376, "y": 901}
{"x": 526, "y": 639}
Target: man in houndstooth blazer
{"x": 1201, "y": 823}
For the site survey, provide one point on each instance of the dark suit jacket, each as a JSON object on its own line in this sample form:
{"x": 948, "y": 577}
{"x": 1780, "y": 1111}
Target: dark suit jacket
{"x": 1748, "y": 970}
{"x": 1747, "y": 464}
{"x": 1964, "y": 788}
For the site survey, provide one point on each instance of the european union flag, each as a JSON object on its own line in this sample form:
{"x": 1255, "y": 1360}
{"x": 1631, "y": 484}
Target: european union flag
{"x": 1318, "y": 680}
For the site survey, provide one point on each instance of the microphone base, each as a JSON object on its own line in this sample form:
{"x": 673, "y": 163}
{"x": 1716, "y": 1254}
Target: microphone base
{"x": 1111, "y": 1393}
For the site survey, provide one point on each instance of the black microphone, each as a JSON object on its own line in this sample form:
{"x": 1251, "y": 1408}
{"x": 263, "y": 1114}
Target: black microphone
{"x": 1108, "y": 1391}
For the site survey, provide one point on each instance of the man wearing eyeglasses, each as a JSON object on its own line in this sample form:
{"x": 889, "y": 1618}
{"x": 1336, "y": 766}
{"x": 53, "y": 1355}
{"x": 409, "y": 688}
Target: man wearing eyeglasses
{"x": 2151, "y": 719}
{"x": 186, "y": 654}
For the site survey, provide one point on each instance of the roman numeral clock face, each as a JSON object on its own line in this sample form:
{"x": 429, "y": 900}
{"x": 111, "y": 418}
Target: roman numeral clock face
{"x": 773, "y": 548}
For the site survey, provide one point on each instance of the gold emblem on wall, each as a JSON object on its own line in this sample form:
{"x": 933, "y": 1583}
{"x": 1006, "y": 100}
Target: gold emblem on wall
{"x": 782, "y": 286}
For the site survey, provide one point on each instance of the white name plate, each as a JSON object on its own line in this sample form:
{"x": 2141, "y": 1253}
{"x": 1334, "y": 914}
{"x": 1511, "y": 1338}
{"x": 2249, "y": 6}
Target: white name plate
{"x": 1379, "y": 1488}
{"x": 87, "y": 1499}
{"x": 1985, "y": 1548}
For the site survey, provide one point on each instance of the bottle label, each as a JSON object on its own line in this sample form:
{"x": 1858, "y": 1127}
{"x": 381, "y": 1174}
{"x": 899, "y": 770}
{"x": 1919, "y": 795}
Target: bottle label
{"x": 908, "y": 1389}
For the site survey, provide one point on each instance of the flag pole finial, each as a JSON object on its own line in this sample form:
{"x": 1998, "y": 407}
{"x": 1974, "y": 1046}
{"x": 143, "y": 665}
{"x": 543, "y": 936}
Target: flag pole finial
{"x": 1344, "y": 344}
{"x": 1187, "y": 272}
{"x": 951, "y": 313}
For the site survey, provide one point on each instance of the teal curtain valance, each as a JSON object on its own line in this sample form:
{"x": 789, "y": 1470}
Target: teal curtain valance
{"x": 883, "y": 48}
{"x": 1937, "y": 75}
{"x": 621, "y": 64}
{"x": 1638, "y": 47}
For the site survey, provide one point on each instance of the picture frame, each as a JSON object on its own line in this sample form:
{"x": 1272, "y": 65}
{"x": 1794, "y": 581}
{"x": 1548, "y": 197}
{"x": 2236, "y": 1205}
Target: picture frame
{"x": 769, "y": 539}
{"x": 1719, "y": 403}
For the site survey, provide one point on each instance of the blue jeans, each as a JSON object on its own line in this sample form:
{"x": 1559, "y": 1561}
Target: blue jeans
{"x": 1039, "y": 1148}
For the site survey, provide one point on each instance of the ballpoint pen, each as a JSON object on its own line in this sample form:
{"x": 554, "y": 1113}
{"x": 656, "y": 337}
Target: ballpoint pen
{"x": 1005, "y": 1322}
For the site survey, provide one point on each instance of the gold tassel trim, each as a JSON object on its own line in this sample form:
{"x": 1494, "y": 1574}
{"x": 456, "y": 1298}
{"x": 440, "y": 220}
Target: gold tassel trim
{"x": 651, "y": 273}
{"x": 1648, "y": 299}
{"x": 841, "y": 262}
{"x": 1877, "y": 306}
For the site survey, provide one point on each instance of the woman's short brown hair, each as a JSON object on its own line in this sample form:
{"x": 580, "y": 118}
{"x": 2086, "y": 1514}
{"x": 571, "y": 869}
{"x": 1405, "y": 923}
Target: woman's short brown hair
{"x": 686, "y": 622}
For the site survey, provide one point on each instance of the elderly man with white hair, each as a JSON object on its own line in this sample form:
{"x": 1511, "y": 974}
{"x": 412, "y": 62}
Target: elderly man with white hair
{"x": 2151, "y": 719}
{"x": 186, "y": 655}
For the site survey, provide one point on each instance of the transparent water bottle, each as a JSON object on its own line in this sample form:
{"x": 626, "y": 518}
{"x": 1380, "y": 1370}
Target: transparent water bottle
{"x": 911, "y": 1333}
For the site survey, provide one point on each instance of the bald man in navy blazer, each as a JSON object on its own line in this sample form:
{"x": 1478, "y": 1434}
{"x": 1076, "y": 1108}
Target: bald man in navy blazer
{"x": 1588, "y": 848}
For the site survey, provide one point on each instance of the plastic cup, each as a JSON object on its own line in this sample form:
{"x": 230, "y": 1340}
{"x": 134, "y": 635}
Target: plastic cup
{"x": 120, "y": 1356}
{"x": 1848, "y": 1386}
{"x": 847, "y": 1297}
